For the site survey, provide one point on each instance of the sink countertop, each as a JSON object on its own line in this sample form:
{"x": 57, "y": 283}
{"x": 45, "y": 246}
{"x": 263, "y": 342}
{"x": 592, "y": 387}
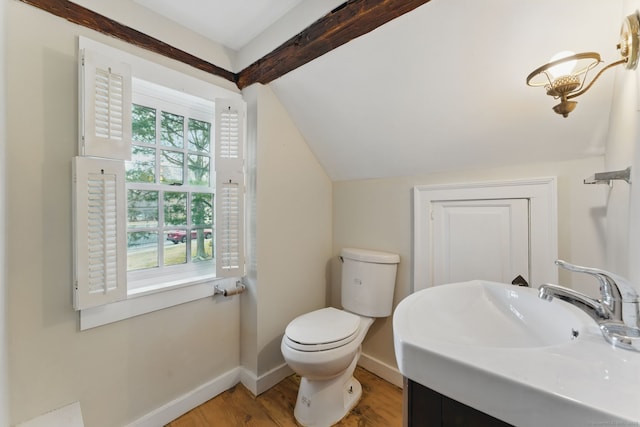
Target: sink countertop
{"x": 584, "y": 382}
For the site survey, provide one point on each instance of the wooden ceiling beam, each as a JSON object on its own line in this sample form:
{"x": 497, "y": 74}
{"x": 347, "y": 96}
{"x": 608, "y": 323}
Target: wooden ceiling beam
{"x": 345, "y": 23}
{"x": 80, "y": 15}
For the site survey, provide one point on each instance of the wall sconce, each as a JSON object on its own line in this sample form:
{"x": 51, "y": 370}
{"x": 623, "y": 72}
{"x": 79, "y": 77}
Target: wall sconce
{"x": 565, "y": 76}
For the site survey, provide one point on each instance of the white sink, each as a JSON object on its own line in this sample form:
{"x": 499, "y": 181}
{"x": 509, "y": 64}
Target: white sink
{"x": 490, "y": 314}
{"x": 502, "y": 350}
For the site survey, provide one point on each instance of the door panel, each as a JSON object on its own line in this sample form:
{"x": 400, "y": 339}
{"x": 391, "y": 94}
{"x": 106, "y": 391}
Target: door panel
{"x": 480, "y": 239}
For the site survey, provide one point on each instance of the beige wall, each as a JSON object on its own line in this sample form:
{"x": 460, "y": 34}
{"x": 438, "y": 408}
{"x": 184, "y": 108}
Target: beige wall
{"x": 4, "y": 330}
{"x": 623, "y": 214}
{"x": 120, "y": 371}
{"x": 292, "y": 223}
{"x": 377, "y": 214}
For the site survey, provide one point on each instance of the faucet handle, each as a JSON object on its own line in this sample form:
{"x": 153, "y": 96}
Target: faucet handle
{"x": 626, "y": 290}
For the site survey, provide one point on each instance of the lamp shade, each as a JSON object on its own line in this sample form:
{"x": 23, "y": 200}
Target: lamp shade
{"x": 563, "y": 68}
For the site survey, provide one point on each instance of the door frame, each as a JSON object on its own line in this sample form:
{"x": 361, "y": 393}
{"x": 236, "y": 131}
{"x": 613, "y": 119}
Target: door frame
{"x": 543, "y": 218}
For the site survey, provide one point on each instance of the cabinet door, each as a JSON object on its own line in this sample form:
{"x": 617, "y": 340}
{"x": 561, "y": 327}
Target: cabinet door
{"x": 428, "y": 408}
{"x": 480, "y": 239}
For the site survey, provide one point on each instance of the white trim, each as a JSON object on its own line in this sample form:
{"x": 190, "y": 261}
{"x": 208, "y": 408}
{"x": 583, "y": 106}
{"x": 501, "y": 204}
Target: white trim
{"x": 144, "y": 285}
{"x": 387, "y": 372}
{"x": 146, "y": 303}
{"x": 258, "y": 385}
{"x": 249, "y": 380}
{"x": 542, "y": 194}
{"x": 183, "y": 404}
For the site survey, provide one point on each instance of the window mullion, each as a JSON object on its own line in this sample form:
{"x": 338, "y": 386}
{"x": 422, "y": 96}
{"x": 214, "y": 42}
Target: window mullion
{"x": 189, "y": 226}
{"x": 161, "y": 228}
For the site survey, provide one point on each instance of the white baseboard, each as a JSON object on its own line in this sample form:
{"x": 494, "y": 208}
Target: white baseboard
{"x": 266, "y": 381}
{"x": 386, "y": 372}
{"x": 207, "y": 391}
{"x": 188, "y": 401}
{"x": 258, "y": 385}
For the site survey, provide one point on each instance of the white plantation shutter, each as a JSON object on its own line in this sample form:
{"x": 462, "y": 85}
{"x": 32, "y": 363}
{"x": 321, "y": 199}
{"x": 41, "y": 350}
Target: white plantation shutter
{"x": 105, "y": 106}
{"x": 99, "y": 194}
{"x": 100, "y": 271}
{"x": 230, "y": 125}
{"x": 229, "y": 147}
{"x": 100, "y": 191}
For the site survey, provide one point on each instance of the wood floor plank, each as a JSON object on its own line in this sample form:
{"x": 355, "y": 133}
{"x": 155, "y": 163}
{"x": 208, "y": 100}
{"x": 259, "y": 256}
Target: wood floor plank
{"x": 279, "y": 403}
{"x": 380, "y": 406}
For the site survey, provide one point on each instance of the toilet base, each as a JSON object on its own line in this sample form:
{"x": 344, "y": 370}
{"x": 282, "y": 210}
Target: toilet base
{"x": 322, "y": 403}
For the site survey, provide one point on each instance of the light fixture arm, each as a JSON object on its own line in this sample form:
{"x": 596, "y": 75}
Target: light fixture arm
{"x": 613, "y": 64}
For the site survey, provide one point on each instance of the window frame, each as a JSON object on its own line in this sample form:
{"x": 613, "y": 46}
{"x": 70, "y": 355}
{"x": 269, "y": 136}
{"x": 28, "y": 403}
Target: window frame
{"x": 162, "y": 100}
{"x": 150, "y": 296}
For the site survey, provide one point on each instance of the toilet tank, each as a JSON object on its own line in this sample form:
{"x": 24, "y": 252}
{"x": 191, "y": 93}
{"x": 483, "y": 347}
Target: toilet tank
{"x": 368, "y": 281}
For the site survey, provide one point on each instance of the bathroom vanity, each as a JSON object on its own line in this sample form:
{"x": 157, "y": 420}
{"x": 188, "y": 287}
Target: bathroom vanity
{"x": 427, "y": 408}
{"x": 500, "y": 353}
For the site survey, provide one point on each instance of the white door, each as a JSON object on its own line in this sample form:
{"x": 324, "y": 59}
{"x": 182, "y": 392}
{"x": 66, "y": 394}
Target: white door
{"x": 480, "y": 239}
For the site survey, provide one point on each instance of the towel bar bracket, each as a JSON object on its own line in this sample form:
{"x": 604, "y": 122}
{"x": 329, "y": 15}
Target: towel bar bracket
{"x": 607, "y": 177}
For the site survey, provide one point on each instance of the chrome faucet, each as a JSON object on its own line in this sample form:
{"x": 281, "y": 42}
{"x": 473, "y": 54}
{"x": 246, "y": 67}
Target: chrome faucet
{"x": 593, "y": 307}
{"x": 617, "y": 312}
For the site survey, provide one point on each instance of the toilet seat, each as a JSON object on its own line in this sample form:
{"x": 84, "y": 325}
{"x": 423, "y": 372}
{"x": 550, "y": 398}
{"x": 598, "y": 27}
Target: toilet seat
{"x": 323, "y": 329}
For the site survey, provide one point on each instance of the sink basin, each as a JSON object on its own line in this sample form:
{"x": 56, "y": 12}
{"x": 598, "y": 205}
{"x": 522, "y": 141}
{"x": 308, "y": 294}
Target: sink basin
{"x": 502, "y": 350}
{"x": 490, "y": 314}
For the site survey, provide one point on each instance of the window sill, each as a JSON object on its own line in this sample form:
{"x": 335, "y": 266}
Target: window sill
{"x": 150, "y": 298}
{"x": 145, "y": 285}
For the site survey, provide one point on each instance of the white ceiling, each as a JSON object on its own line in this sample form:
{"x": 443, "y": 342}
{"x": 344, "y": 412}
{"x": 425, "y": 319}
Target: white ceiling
{"x": 440, "y": 88}
{"x": 443, "y": 88}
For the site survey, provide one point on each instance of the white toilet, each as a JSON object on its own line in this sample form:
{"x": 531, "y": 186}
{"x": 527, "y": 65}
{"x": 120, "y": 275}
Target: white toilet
{"x": 323, "y": 346}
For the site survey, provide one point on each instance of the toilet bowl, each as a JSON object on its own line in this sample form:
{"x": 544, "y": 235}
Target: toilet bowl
{"x": 324, "y": 356}
{"x": 324, "y": 346}
{"x": 325, "y": 362}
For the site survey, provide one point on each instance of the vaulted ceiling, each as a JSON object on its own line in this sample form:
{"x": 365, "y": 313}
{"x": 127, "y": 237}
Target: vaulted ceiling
{"x": 443, "y": 88}
{"x": 440, "y": 88}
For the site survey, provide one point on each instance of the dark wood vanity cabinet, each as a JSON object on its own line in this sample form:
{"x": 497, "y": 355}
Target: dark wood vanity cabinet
{"x": 424, "y": 407}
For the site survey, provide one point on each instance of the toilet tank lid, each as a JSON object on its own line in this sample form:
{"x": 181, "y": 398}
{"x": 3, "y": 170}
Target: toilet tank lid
{"x": 367, "y": 255}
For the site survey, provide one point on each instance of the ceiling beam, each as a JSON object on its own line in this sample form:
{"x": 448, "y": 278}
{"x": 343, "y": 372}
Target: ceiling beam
{"x": 77, "y": 14}
{"x": 343, "y": 24}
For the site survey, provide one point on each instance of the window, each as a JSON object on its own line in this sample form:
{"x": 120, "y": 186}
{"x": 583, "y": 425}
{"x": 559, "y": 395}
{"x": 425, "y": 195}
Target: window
{"x": 158, "y": 184}
{"x": 170, "y": 182}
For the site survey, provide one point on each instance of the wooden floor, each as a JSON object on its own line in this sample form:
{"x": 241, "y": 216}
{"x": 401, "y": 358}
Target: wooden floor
{"x": 380, "y": 405}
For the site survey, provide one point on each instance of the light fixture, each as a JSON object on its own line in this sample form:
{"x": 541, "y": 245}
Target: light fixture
{"x": 565, "y": 76}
